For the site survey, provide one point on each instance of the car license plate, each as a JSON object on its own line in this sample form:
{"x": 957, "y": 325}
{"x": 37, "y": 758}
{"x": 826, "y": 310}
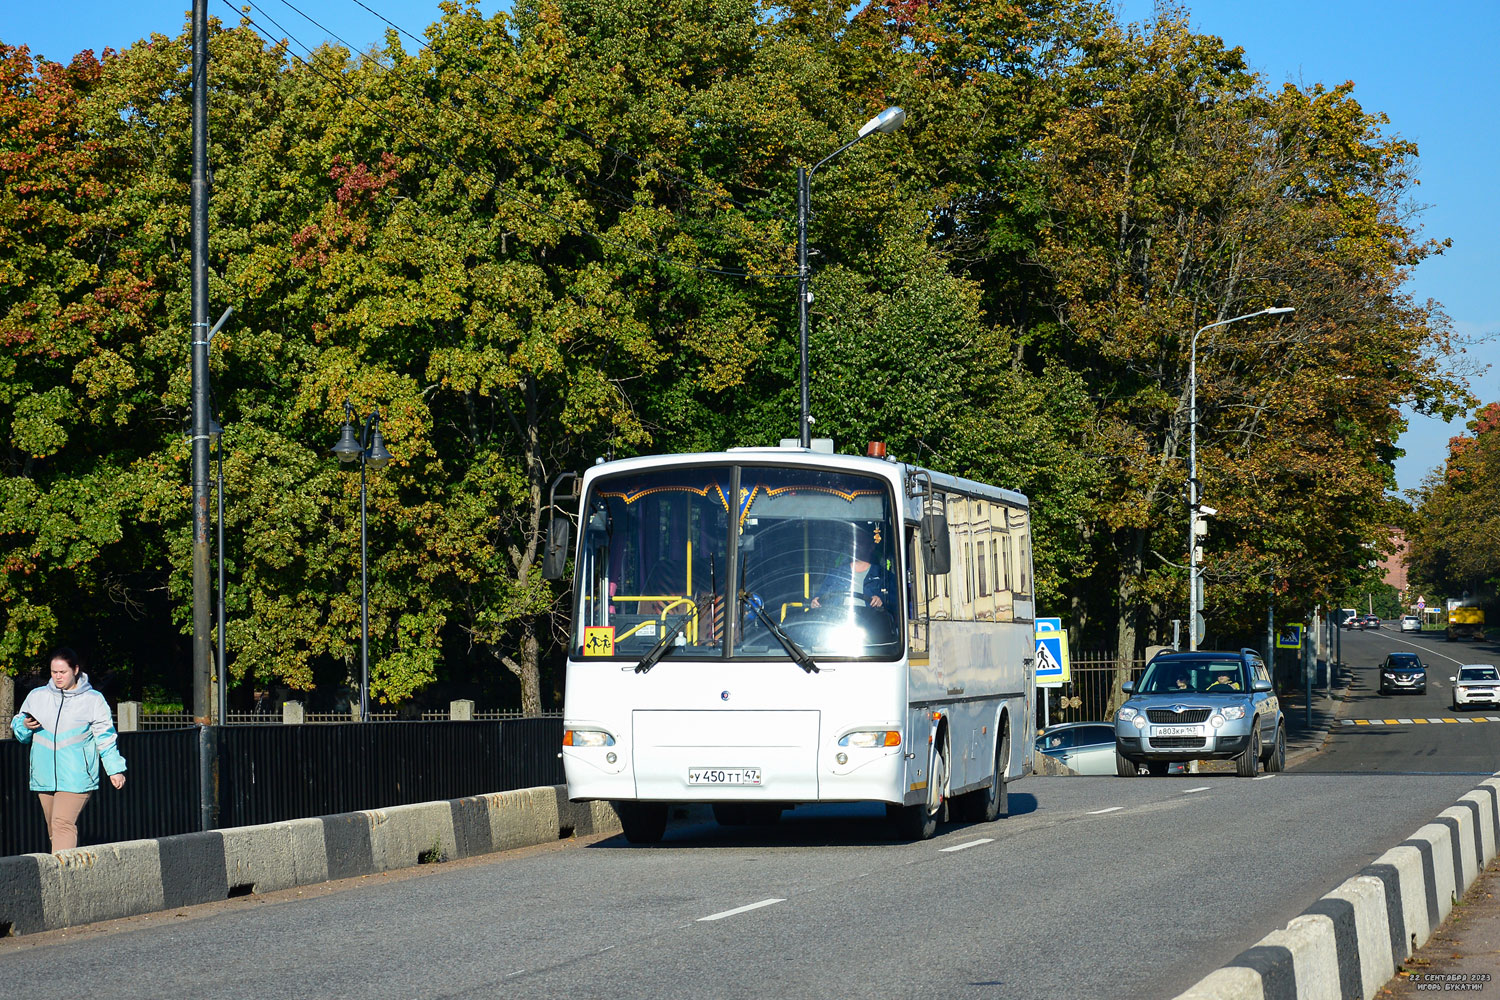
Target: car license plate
{"x": 723, "y": 775}
{"x": 1177, "y": 731}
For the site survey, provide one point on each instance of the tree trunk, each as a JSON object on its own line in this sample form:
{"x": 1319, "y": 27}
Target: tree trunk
{"x": 530, "y": 674}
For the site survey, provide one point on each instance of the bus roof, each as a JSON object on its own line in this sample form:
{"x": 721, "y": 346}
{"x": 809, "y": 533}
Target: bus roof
{"x": 805, "y": 456}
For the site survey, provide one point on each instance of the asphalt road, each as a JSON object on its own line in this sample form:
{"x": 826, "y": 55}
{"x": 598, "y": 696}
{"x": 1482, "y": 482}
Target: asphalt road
{"x": 1095, "y": 887}
{"x": 1098, "y": 887}
{"x": 1466, "y": 745}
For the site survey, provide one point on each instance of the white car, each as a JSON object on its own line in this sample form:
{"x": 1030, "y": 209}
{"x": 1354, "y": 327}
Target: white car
{"x": 1411, "y": 623}
{"x": 1476, "y": 684}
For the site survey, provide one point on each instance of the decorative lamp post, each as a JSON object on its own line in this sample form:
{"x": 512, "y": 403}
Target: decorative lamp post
{"x": 887, "y": 121}
{"x": 369, "y": 449}
{"x": 1196, "y": 510}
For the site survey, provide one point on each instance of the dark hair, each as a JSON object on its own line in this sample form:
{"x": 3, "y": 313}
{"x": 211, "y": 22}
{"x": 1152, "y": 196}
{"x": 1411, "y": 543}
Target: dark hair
{"x": 67, "y": 655}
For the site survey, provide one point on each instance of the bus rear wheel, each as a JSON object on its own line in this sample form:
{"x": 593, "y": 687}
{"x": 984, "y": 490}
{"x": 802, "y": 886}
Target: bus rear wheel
{"x": 985, "y": 805}
{"x": 643, "y": 822}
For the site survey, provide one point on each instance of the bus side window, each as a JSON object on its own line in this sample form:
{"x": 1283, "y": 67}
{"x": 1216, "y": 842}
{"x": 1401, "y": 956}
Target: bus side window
{"x": 1020, "y": 530}
{"x": 963, "y": 600}
{"x": 1004, "y": 587}
{"x": 984, "y": 602}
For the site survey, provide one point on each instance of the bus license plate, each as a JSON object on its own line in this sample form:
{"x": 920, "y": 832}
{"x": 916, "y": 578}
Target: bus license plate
{"x": 1177, "y": 731}
{"x": 723, "y": 775}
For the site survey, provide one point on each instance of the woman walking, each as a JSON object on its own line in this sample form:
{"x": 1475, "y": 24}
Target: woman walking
{"x": 70, "y": 731}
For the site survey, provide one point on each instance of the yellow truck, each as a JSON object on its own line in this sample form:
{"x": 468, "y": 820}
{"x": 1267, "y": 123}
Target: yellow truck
{"x": 1465, "y": 623}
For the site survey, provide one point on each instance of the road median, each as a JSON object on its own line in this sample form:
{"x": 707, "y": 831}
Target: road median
{"x": 1351, "y": 941}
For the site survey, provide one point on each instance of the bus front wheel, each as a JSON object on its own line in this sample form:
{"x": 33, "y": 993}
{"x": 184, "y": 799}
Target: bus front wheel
{"x": 920, "y": 822}
{"x": 643, "y": 822}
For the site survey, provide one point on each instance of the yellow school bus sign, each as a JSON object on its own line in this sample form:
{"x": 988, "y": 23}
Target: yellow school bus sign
{"x": 598, "y": 640}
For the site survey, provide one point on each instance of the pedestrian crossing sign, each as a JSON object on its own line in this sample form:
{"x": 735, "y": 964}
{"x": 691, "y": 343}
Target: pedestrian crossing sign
{"x": 1051, "y": 656}
{"x": 1289, "y": 636}
{"x": 598, "y": 640}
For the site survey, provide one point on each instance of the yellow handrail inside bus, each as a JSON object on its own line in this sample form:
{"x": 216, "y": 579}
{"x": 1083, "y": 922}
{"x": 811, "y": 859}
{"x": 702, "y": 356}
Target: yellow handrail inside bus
{"x": 692, "y": 626}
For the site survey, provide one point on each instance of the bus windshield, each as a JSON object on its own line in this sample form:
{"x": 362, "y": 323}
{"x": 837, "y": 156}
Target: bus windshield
{"x": 815, "y": 556}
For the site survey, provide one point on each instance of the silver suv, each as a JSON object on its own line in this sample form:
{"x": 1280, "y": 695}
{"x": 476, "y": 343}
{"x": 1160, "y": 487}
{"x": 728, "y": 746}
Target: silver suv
{"x": 1201, "y": 706}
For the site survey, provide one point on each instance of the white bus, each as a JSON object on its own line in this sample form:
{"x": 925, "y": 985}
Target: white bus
{"x": 765, "y": 627}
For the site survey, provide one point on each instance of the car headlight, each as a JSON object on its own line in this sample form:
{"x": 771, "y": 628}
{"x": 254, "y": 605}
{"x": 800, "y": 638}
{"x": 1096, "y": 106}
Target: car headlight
{"x": 1126, "y": 714}
{"x": 587, "y": 738}
{"x": 1232, "y": 712}
{"x": 872, "y": 738}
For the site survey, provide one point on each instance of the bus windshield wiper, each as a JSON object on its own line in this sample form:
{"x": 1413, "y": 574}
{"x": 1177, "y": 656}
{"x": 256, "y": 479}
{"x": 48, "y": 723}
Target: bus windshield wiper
{"x": 796, "y": 652}
{"x": 659, "y": 650}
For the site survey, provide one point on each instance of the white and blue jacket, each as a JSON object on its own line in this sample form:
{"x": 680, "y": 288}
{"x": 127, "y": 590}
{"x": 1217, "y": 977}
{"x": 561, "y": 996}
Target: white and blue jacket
{"x": 77, "y": 733}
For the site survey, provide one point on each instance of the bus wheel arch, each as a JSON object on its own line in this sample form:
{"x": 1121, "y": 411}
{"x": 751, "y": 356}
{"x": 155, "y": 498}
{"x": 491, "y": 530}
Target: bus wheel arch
{"x": 920, "y": 821}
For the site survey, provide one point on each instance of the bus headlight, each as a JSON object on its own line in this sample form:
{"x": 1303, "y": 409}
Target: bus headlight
{"x": 872, "y": 738}
{"x": 587, "y": 738}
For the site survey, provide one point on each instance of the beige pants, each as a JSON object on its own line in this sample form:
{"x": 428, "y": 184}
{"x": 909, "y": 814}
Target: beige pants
{"x": 61, "y": 810}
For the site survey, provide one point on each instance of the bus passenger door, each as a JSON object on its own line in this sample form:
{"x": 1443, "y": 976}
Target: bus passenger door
{"x": 917, "y": 597}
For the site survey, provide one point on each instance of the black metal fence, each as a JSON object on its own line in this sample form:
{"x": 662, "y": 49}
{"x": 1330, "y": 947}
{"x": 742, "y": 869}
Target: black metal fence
{"x": 1092, "y": 693}
{"x": 270, "y": 773}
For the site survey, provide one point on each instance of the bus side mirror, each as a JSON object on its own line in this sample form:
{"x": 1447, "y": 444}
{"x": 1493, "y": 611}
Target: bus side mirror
{"x": 555, "y": 555}
{"x": 934, "y": 537}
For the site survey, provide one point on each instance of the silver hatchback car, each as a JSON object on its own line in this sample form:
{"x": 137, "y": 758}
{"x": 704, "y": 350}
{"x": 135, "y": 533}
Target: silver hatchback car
{"x": 1201, "y": 706}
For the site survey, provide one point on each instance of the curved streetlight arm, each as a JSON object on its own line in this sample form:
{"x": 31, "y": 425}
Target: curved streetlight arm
{"x": 837, "y": 152}
{"x": 887, "y": 121}
{"x": 1192, "y": 484}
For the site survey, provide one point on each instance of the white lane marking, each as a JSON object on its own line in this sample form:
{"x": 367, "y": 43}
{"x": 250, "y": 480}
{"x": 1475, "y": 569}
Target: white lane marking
{"x": 741, "y": 909}
{"x": 1262, "y": 777}
{"x": 1418, "y": 645}
{"x": 1200, "y": 788}
{"x": 1101, "y": 812}
{"x": 972, "y": 843}
{"x": 516, "y": 973}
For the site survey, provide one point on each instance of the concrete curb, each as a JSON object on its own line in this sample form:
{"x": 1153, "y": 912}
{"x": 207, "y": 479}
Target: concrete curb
{"x": 1350, "y": 942}
{"x": 40, "y": 892}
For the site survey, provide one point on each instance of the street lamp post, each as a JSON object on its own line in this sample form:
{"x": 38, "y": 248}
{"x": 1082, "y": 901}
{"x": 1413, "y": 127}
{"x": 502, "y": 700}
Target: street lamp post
{"x": 887, "y": 121}
{"x": 216, "y": 438}
{"x": 369, "y": 449}
{"x": 1195, "y": 593}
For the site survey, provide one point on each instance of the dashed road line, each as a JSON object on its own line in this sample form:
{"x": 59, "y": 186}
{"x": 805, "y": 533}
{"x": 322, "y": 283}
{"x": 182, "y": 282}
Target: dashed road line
{"x": 1262, "y": 777}
{"x": 741, "y": 909}
{"x": 1200, "y": 788}
{"x": 1101, "y": 812}
{"x": 972, "y": 843}
{"x": 1419, "y": 722}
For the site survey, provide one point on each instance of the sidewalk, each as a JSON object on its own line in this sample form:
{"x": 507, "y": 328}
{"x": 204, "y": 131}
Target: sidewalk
{"x": 1303, "y": 737}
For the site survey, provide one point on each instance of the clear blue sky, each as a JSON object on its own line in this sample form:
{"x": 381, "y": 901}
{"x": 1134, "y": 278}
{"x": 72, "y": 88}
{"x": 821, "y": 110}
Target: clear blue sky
{"x": 1427, "y": 66}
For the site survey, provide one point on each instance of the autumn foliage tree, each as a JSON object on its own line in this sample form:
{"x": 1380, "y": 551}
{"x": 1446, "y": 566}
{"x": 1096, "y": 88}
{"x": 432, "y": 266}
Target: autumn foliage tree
{"x": 566, "y": 232}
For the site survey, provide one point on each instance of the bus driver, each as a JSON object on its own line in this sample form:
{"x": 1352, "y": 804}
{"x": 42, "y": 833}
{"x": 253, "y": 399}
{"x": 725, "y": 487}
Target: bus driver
{"x": 861, "y": 578}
